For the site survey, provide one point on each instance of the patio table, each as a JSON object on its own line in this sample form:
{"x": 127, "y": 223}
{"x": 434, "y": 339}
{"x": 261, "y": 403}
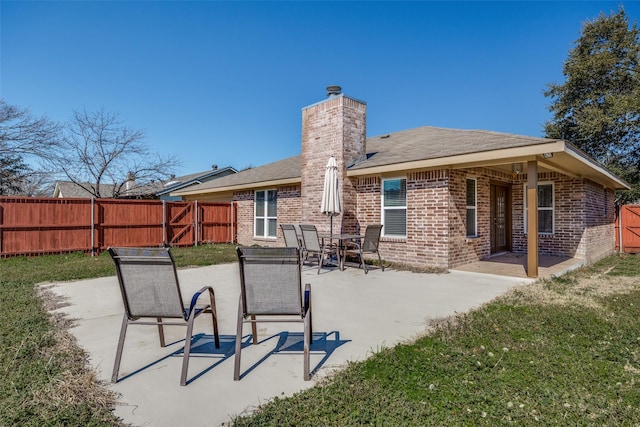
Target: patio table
{"x": 341, "y": 238}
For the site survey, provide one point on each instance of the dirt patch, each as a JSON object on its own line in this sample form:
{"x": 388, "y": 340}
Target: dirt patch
{"x": 77, "y": 384}
{"x": 584, "y": 292}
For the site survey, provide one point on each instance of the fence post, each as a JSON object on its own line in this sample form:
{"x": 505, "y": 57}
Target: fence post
{"x": 164, "y": 223}
{"x": 196, "y": 224}
{"x": 1, "y": 233}
{"x": 231, "y": 205}
{"x": 93, "y": 224}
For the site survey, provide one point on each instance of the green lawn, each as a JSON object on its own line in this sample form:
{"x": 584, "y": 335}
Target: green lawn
{"x": 44, "y": 380}
{"x": 559, "y": 352}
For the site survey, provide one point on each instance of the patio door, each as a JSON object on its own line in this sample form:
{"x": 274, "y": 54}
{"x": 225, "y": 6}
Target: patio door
{"x": 500, "y": 221}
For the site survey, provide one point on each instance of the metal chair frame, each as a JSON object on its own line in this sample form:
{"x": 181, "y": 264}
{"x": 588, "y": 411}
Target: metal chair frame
{"x": 266, "y": 298}
{"x": 370, "y": 244}
{"x": 159, "y": 279}
{"x": 313, "y": 246}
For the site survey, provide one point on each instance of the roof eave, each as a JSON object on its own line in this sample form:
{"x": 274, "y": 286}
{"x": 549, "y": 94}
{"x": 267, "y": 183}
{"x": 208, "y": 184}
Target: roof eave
{"x": 469, "y": 160}
{"x": 240, "y": 187}
{"x": 597, "y": 172}
{"x": 582, "y": 157}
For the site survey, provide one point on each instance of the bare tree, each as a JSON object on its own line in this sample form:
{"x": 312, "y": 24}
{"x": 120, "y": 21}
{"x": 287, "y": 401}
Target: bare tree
{"x": 22, "y": 135}
{"x": 38, "y": 183}
{"x": 22, "y": 138}
{"x": 108, "y": 159}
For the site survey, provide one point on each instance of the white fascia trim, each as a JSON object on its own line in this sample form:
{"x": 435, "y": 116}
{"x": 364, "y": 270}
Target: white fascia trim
{"x": 247, "y": 186}
{"x": 582, "y": 157}
{"x": 484, "y": 156}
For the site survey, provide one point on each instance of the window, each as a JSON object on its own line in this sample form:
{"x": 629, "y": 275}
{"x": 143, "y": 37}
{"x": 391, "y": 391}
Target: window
{"x": 472, "y": 208}
{"x": 265, "y": 215}
{"x": 394, "y": 207}
{"x": 545, "y": 208}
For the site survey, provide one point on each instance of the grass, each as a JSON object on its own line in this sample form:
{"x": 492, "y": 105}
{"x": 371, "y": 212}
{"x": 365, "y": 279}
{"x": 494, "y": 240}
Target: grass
{"x": 44, "y": 377}
{"x": 560, "y": 352}
{"x": 564, "y": 351}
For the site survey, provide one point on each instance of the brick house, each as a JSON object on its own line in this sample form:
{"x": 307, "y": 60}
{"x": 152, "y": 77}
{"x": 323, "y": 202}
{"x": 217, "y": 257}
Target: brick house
{"x": 446, "y": 197}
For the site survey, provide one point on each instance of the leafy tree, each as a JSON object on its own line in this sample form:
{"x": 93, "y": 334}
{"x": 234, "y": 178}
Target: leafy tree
{"x": 98, "y": 149}
{"x": 597, "y": 108}
{"x": 12, "y": 175}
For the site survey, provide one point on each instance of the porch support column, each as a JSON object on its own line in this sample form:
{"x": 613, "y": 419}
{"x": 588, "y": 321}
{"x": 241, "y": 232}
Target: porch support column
{"x": 532, "y": 219}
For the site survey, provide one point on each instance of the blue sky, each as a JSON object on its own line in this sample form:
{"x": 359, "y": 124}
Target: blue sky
{"x": 225, "y": 82}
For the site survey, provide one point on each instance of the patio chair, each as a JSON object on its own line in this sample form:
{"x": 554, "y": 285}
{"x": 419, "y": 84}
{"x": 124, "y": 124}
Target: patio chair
{"x": 271, "y": 291}
{"x": 368, "y": 245}
{"x": 150, "y": 290}
{"x": 291, "y": 238}
{"x": 313, "y": 246}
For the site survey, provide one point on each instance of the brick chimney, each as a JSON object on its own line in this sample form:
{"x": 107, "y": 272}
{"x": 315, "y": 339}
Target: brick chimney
{"x": 130, "y": 182}
{"x": 335, "y": 127}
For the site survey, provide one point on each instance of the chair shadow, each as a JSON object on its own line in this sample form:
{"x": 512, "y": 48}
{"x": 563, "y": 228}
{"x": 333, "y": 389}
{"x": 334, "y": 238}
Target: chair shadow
{"x": 293, "y": 342}
{"x": 202, "y": 345}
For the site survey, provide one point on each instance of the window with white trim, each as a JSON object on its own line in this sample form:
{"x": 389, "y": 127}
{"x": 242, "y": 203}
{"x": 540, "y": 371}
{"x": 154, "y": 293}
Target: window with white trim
{"x": 394, "y": 207}
{"x": 472, "y": 207}
{"x": 265, "y": 222}
{"x": 545, "y": 208}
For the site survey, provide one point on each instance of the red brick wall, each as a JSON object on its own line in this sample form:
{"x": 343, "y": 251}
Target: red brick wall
{"x": 599, "y": 236}
{"x": 244, "y": 201}
{"x": 462, "y": 249}
{"x": 289, "y": 212}
{"x": 427, "y": 197}
{"x": 584, "y": 223}
{"x": 289, "y": 208}
{"x": 568, "y": 216}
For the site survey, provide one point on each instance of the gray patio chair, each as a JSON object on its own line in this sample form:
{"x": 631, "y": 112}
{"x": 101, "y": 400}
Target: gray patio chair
{"x": 368, "y": 245}
{"x": 313, "y": 246}
{"x": 150, "y": 290}
{"x": 271, "y": 291}
{"x": 291, "y": 238}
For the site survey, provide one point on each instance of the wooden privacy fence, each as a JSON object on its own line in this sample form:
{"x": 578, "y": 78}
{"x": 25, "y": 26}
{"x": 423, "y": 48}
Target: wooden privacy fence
{"x": 31, "y": 226}
{"x": 628, "y": 229}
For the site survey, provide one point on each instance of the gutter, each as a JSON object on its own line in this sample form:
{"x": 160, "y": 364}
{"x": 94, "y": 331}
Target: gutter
{"x": 463, "y": 159}
{"x": 243, "y": 186}
{"x": 578, "y": 154}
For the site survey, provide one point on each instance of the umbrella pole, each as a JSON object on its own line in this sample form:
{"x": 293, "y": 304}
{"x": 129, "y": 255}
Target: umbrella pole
{"x": 331, "y": 234}
{"x": 331, "y": 231}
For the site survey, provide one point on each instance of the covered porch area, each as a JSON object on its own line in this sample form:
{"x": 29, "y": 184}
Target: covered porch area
{"x": 515, "y": 265}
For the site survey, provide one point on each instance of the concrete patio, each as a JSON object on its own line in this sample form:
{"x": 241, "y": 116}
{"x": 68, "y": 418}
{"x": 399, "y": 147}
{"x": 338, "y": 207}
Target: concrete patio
{"x": 354, "y": 316}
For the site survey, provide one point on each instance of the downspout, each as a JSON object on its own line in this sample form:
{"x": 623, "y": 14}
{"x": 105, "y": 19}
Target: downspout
{"x": 620, "y": 229}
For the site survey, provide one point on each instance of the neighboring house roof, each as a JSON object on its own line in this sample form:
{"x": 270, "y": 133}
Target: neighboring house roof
{"x": 158, "y": 188}
{"x": 431, "y": 148}
{"x": 68, "y": 189}
{"x": 179, "y": 183}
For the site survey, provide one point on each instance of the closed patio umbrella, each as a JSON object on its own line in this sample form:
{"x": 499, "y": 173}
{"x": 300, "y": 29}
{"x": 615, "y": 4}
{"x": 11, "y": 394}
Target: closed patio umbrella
{"x": 330, "y": 204}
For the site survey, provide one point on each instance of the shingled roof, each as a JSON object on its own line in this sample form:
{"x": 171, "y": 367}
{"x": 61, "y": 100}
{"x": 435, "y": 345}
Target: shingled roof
{"x": 427, "y": 142}
{"x": 400, "y": 149}
{"x": 283, "y": 170}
